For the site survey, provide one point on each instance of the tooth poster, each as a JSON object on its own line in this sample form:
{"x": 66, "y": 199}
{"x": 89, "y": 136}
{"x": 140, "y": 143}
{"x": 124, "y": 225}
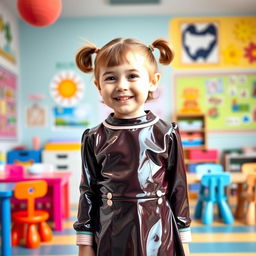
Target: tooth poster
{"x": 218, "y": 42}
{"x": 228, "y": 100}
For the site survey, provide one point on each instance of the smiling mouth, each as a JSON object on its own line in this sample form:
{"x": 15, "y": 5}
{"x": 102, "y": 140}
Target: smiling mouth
{"x": 123, "y": 98}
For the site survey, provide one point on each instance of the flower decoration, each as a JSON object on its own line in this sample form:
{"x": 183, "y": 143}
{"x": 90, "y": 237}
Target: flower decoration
{"x": 232, "y": 54}
{"x": 67, "y": 88}
{"x": 250, "y": 52}
{"x": 244, "y": 30}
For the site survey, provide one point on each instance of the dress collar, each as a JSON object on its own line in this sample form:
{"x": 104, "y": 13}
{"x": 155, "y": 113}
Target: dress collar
{"x": 139, "y": 122}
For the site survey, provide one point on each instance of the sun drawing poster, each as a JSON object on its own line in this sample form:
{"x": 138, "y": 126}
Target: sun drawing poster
{"x": 67, "y": 90}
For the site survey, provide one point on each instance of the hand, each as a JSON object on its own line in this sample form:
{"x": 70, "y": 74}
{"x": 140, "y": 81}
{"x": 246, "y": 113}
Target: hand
{"x": 186, "y": 249}
{"x": 86, "y": 250}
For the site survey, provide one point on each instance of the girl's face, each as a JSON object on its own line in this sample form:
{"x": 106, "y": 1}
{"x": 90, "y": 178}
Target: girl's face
{"x": 125, "y": 88}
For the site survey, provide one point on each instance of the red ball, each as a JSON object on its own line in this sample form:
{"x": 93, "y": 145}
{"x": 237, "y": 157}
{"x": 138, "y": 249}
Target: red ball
{"x": 39, "y": 13}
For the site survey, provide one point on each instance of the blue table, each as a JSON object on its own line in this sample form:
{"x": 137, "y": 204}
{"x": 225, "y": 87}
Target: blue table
{"x": 6, "y": 192}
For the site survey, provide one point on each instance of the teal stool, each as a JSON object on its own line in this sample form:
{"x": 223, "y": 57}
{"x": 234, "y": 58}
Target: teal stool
{"x": 213, "y": 192}
{"x": 202, "y": 169}
{"x": 208, "y": 168}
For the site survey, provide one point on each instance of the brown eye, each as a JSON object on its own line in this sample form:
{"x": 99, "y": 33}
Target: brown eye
{"x": 133, "y": 76}
{"x": 110, "y": 78}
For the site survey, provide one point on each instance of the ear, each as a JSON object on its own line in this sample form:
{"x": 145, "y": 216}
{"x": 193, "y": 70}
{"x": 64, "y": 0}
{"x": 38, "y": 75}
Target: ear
{"x": 97, "y": 84}
{"x": 154, "y": 82}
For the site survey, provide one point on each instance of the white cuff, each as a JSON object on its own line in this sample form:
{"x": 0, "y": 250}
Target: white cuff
{"x": 83, "y": 239}
{"x": 185, "y": 235}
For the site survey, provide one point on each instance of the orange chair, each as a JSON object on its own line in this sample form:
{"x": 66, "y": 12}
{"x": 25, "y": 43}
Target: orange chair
{"x": 247, "y": 168}
{"x": 25, "y": 222}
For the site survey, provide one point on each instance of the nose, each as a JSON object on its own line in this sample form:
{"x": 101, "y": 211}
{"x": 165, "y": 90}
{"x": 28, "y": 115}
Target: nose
{"x": 122, "y": 85}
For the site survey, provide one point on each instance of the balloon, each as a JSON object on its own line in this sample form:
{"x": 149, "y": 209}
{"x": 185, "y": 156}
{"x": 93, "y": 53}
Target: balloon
{"x": 39, "y": 13}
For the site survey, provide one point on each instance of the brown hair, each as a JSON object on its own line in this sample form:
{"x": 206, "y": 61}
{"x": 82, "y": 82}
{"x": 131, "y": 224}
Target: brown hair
{"x": 115, "y": 53}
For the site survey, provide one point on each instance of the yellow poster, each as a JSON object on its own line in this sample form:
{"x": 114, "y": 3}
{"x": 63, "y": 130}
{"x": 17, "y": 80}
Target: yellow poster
{"x": 214, "y": 42}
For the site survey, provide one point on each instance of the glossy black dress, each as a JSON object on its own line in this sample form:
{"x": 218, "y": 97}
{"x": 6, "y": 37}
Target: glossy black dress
{"x": 133, "y": 188}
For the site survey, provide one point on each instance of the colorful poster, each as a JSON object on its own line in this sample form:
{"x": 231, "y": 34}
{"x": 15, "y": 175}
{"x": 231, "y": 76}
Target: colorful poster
{"x": 7, "y": 44}
{"x": 214, "y": 42}
{"x": 228, "y": 100}
{"x": 36, "y": 115}
{"x": 8, "y": 110}
{"x": 67, "y": 88}
{"x": 71, "y": 117}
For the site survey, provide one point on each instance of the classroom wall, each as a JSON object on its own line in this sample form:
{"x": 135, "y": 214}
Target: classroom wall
{"x": 46, "y": 51}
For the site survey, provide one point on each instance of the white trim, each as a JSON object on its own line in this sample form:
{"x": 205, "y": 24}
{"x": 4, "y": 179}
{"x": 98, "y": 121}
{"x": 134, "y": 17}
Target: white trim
{"x": 120, "y": 127}
{"x": 82, "y": 239}
{"x": 186, "y": 236}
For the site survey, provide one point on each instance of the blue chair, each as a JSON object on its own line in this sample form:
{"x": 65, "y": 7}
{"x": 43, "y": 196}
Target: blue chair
{"x": 213, "y": 192}
{"x": 200, "y": 170}
{"x": 208, "y": 168}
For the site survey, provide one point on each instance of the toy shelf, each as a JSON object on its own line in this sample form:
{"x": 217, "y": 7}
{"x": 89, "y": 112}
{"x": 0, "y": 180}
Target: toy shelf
{"x": 193, "y": 130}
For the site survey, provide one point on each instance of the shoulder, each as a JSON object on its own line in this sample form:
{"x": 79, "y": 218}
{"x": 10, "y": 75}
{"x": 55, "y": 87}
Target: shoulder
{"x": 175, "y": 127}
{"x": 89, "y": 133}
{"x": 164, "y": 125}
{"x": 169, "y": 129}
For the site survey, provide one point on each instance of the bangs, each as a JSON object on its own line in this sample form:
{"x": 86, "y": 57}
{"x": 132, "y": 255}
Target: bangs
{"x": 117, "y": 53}
{"x": 114, "y": 56}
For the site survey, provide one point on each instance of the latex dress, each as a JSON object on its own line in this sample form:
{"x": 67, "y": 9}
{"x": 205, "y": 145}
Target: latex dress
{"x": 133, "y": 188}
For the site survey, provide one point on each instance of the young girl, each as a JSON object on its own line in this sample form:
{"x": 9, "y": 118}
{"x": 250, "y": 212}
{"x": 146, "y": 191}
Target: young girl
{"x": 133, "y": 189}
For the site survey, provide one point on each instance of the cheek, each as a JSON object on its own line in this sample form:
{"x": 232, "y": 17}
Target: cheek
{"x": 106, "y": 93}
{"x": 145, "y": 90}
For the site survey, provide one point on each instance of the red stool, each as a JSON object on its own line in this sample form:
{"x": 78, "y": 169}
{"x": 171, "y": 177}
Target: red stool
{"x": 25, "y": 222}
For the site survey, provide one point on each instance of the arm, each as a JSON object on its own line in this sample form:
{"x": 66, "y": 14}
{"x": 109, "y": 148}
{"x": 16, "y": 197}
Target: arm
{"x": 186, "y": 249}
{"x": 178, "y": 194}
{"x": 86, "y": 250}
{"x": 84, "y": 225}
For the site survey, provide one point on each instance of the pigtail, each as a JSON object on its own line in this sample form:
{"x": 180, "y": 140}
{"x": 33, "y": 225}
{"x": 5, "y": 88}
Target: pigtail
{"x": 84, "y": 59}
{"x": 166, "y": 53}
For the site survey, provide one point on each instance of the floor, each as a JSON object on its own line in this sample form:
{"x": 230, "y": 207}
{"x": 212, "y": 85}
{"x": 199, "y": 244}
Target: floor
{"x": 215, "y": 240}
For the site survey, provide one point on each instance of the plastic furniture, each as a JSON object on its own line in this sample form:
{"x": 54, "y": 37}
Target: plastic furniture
{"x": 6, "y": 192}
{"x": 247, "y": 204}
{"x": 242, "y": 190}
{"x": 214, "y": 193}
{"x": 208, "y": 168}
{"x": 30, "y": 223}
{"x": 57, "y": 195}
{"x": 24, "y": 157}
{"x": 14, "y": 170}
{"x": 202, "y": 169}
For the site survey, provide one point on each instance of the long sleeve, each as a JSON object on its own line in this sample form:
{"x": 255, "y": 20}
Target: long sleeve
{"x": 178, "y": 194}
{"x": 84, "y": 225}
